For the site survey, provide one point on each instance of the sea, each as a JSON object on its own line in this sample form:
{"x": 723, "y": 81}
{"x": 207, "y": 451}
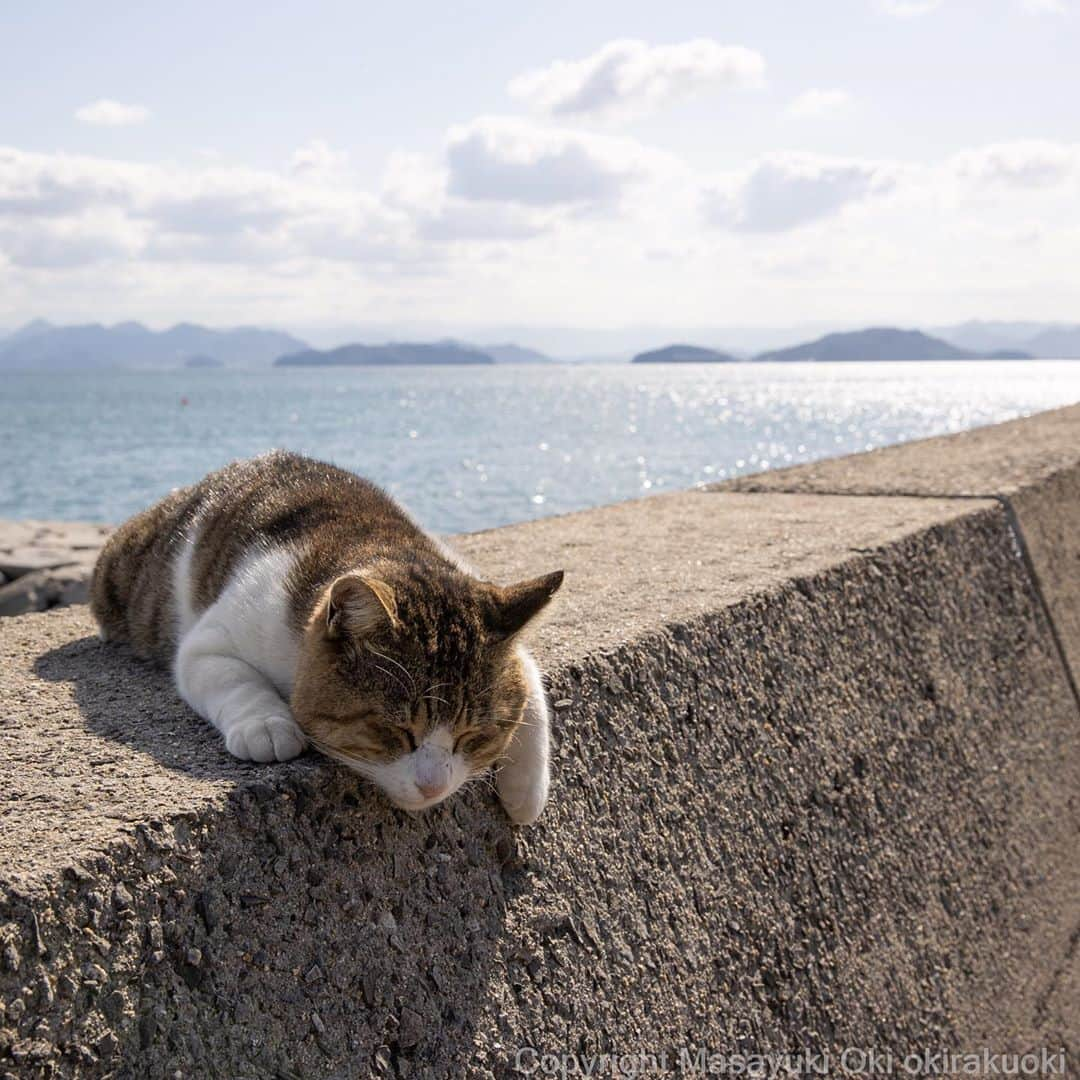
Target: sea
{"x": 468, "y": 448}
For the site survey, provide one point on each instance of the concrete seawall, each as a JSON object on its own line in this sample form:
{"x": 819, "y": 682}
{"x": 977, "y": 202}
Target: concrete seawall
{"x": 817, "y": 786}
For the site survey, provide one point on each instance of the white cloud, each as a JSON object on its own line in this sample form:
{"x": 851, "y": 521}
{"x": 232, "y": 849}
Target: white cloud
{"x": 317, "y": 157}
{"x": 501, "y": 159}
{"x": 629, "y": 75}
{"x": 907, "y": 9}
{"x": 1025, "y": 163}
{"x": 54, "y": 185}
{"x": 783, "y": 191}
{"x": 209, "y": 213}
{"x": 415, "y": 184}
{"x": 817, "y": 102}
{"x": 1045, "y": 7}
{"x": 106, "y": 113}
{"x": 60, "y": 244}
{"x": 443, "y": 230}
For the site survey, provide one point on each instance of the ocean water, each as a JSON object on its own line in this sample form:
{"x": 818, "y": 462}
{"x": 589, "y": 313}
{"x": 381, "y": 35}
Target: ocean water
{"x": 471, "y": 448}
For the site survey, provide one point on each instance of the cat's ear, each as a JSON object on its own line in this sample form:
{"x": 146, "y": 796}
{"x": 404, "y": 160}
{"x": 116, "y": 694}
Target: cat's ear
{"x": 359, "y": 605}
{"x": 514, "y": 606}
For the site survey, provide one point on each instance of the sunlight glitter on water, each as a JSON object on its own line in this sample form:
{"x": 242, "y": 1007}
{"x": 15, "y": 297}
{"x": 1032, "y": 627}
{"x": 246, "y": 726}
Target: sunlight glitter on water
{"x": 471, "y": 448}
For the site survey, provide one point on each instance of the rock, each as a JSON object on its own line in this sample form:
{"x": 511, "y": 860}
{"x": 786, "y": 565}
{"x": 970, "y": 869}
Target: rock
{"x": 75, "y": 591}
{"x": 28, "y": 593}
{"x": 15, "y": 562}
{"x": 41, "y": 589}
{"x": 94, "y": 974}
{"x": 10, "y": 955}
{"x": 107, "y": 1045}
{"x": 46, "y": 564}
{"x": 411, "y": 1030}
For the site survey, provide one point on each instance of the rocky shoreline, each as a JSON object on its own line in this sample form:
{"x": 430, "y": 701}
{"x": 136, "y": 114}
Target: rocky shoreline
{"x": 46, "y": 564}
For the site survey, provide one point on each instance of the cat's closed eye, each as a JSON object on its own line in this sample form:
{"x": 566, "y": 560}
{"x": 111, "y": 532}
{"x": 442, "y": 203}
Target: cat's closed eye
{"x": 469, "y": 742}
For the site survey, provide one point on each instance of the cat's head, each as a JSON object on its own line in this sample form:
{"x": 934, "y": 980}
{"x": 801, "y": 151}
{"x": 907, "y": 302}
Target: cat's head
{"x": 411, "y": 675}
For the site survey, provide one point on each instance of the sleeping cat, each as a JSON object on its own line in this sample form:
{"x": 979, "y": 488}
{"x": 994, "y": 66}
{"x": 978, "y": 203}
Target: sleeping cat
{"x": 297, "y": 603}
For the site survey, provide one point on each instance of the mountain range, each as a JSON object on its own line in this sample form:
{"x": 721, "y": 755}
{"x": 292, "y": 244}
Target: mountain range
{"x": 44, "y": 346}
{"x": 1050, "y": 341}
{"x": 41, "y": 346}
{"x": 885, "y": 343}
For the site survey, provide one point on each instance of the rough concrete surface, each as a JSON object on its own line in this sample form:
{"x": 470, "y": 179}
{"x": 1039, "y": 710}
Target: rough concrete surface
{"x": 1000, "y": 459}
{"x": 816, "y": 779}
{"x": 1032, "y": 465}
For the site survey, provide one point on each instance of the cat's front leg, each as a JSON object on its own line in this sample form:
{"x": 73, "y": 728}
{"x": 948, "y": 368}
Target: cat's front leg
{"x": 236, "y": 698}
{"x": 524, "y": 774}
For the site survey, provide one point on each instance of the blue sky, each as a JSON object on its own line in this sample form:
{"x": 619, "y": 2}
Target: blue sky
{"x": 492, "y": 165}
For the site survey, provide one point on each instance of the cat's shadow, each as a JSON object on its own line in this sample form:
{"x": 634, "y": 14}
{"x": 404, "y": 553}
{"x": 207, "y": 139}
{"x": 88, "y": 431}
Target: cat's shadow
{"x": 134, "y": 704}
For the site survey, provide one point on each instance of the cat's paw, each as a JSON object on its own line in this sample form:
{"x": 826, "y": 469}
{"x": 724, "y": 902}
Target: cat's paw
{"x": 265, "y": 738}
{"x": 523, "y": 791}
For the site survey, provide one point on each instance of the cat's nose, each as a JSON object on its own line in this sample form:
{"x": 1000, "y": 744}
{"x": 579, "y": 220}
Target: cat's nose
{"x": 431, "y": 789}
{"x": 432, "y": 776}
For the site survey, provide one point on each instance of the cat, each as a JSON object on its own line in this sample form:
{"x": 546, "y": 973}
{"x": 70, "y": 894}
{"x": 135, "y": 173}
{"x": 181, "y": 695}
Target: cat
{"x": 297, "y": 603}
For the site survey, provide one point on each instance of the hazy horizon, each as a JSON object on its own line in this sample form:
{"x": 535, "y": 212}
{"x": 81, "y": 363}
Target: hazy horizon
{"x": 596, "y": 344}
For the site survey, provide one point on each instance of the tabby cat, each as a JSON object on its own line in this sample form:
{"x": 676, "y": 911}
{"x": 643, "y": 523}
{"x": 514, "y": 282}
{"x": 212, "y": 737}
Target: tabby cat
{"x": 298, "y": 603}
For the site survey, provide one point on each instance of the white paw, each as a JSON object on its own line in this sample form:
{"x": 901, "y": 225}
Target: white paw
{"x": 265, "y": 738}
{"x": 523, "y": 790}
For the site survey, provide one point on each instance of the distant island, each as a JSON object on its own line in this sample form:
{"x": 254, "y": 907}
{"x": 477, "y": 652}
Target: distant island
{"x": 877, "y": 343}
{"x": 684, "y": 354}
{"x": 201, "y": 361}
{"x": 1050, "y": 341}
{"x": 398, "y": 354}
{"x": 884, "y": 343}
{"x": 514, "y": 354}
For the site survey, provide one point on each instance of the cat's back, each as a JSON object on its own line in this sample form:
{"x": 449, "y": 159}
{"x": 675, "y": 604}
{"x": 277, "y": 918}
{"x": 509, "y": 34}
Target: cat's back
{"x": 196, "y": 539}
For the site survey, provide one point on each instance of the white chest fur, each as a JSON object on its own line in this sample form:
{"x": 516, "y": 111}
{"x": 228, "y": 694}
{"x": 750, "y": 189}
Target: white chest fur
{"x": 252, "y": 612}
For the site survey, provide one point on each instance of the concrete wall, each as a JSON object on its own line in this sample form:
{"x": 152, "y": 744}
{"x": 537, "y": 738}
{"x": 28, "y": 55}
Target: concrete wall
{"x": 817, "y": 786}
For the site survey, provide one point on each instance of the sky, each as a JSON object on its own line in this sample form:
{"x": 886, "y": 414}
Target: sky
{"x": 353, "y": 169}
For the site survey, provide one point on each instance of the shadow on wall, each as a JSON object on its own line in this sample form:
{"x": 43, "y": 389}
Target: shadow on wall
{"x": 311, "y": 924}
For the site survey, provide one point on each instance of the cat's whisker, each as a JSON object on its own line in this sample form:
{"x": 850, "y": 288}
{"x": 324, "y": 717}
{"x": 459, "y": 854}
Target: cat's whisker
{"x": 390, "y": 675}
{"x": 391, "y": 660}
{"x": 481, "y": 778}
{"x": 340, "y": 755}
